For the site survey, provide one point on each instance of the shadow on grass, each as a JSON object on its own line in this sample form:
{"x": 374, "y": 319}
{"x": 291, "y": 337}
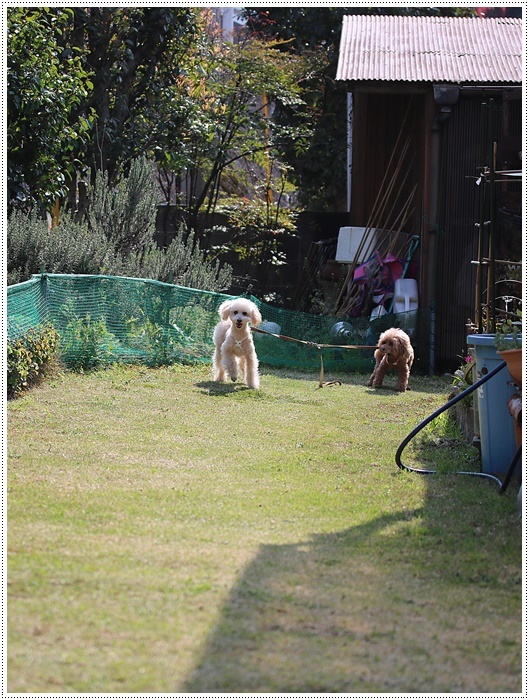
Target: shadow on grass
{"x": 415, "y": 601}
{"x": 383, "y": 390}
{"x": 212, "y": 388}
{"x": 418, "y": 382}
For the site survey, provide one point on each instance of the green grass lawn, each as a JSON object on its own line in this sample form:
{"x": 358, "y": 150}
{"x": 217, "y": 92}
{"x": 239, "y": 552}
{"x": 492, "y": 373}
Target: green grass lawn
{"x": 167, "y": 534}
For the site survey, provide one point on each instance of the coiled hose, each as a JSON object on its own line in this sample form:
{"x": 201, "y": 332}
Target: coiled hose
{"x": 434, "y": 415}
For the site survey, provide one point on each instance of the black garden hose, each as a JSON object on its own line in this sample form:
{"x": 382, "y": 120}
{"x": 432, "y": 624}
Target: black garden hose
{"x": 448, "y": 405}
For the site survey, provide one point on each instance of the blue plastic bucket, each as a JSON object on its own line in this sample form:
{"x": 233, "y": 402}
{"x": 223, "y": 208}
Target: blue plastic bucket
{"x": 496, "y": 427}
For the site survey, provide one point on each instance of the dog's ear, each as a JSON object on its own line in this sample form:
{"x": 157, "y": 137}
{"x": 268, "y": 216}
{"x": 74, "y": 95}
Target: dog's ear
{"x": 256, "y": 316}
{"x": 401, "y": 345}
{"x": 224, "y": 309}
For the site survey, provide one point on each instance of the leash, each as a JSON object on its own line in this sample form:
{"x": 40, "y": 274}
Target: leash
{"x": 319, "y": 347}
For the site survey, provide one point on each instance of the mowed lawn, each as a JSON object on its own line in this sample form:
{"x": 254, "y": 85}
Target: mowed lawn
{"x": 170, "y": 535}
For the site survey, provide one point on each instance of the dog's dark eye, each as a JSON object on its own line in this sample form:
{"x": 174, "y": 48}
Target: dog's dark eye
{"x": 244, "y": 313}
{"x": 235, "y": 312}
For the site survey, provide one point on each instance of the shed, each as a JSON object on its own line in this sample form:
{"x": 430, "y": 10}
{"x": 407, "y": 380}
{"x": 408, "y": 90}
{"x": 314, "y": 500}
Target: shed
{"x": 445, "y": 95}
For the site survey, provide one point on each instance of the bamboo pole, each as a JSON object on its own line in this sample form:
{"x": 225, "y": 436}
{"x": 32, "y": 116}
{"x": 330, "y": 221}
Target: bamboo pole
{"x": 492, "y": 234}
{"x": 385, "y": 226}
{"x": 402, "y": 217}
{"x": 384, "y": 193}
{"x": 378, "y": 208}
{"x": 383, "y": 189}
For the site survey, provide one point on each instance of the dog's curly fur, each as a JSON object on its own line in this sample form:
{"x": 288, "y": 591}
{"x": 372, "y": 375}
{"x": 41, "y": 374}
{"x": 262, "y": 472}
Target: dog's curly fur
{"x": 234, "y": 347}
{"x": 394, "y": 351}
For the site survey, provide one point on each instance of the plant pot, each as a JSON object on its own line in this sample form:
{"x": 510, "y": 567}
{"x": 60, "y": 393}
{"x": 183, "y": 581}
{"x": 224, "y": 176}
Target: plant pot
{"x": 333, "y": 271}
{"x": 513, "y": 358}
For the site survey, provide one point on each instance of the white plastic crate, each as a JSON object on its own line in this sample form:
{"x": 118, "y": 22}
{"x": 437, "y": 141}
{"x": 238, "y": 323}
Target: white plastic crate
{"x": 349, "y": 239}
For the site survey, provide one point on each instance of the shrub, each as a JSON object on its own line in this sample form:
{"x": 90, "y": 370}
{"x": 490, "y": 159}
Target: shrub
{"x": 30, "y": 357}
{"x": 86, "y": 343}
{"x": 68, "y": 248}
{"x": 183, "y": 262}
{"x": 125, "y": 213}
{"x": 116, "y": 239}
{"x": 258, "y": 233}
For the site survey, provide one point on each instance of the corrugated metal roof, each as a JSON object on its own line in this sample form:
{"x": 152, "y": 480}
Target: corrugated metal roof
{"x": 440, "y": 49}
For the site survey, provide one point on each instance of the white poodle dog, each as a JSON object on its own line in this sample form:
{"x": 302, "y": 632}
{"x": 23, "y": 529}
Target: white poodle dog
{"x": 234, "y": 348}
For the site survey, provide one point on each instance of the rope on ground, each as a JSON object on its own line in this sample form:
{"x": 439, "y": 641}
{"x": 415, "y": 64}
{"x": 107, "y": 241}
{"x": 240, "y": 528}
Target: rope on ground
{"x": 319, "y": 347}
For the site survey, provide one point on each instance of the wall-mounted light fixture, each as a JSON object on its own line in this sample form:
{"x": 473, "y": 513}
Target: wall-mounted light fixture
{"x": 446, "y": 96}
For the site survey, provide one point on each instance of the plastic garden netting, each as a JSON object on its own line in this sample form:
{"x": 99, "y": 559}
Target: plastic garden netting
{"x": 102, "y": 320}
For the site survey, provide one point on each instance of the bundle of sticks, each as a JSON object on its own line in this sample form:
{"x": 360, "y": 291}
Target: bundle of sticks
{"x": 391, "y": 212}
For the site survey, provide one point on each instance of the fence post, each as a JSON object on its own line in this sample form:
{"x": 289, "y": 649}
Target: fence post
{"x": 44, "y": 290}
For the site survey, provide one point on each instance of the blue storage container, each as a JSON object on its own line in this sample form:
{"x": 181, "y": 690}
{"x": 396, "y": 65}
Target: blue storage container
{"x": 498, "y": 440}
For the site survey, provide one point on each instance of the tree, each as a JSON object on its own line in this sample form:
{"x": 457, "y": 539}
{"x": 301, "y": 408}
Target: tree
{"x": 117, "y": 83}
{"x": 134, "y": 54}
{"x": 120, "y": 83}
{"x": 230, "y": 137}
{"x": 86, "y": 90}
{"x": 320, "y": 166}
{"x": 45, "y": 85}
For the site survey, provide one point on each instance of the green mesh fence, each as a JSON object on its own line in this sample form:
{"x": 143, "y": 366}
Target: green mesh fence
{"x": 101, "y": 320}
{"x": 26, "y": 307}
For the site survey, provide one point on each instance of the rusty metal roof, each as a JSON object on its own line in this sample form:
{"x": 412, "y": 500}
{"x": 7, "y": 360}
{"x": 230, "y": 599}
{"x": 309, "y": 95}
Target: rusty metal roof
{"x": 441, "y": 49}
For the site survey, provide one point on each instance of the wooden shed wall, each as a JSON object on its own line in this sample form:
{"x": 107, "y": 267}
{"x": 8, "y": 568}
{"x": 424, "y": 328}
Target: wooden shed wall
{"x": 451, "y": 234}
{"x": 462, "y": 157}
{"x": 377, "y": 122}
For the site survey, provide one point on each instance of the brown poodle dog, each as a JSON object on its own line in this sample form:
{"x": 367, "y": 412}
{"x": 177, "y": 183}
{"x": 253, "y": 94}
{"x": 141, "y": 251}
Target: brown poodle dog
{"x": 394, "y": 351}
